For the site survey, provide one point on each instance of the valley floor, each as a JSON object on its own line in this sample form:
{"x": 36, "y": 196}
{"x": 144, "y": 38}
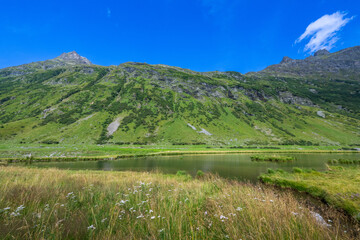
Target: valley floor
{"x": 62, "y": 204}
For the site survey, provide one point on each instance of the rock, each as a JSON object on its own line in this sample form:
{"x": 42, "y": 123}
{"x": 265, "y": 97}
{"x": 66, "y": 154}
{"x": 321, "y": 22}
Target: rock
{"x": 205, "y": 132}
{"x": 194, "y": 128}
{"x": 320, "y": 114}
{"x": 321, "y": 52}
{"x": 47, "y": 111}
{"x": 320, "y": 219}
{"x": 288, "y": 97}
{"x": 313, "y": 91}
{"x": 113, "y": 126}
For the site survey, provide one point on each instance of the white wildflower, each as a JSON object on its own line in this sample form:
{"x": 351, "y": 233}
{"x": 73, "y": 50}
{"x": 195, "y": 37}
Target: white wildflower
{"x": 21, "y": 207}
{"x": 15, "y": 214}
{"x": 70, "y": 194}
{"x": 91, "y": 227}
{"x": 223, "y": 217}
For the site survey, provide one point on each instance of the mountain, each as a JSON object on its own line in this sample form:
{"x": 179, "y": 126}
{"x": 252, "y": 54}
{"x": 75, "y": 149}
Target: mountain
{"x": 64, "y": 60}
{"x": 69, "y": 100}
{"x": 344, "y": 64}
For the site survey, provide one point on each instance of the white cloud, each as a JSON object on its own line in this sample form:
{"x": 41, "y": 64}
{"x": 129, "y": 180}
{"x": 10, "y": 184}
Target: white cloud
{"x": 323, "y": 31}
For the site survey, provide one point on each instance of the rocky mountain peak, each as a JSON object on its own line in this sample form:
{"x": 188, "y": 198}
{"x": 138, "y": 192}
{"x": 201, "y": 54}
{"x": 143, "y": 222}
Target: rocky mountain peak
{"x": 74, "y": 57}
{"x": 286, "y": 59}
{"x": 321, "y": 52}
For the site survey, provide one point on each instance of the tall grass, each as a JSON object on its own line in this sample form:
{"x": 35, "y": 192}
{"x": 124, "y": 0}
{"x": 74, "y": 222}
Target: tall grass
{"x": 59, "y": 204}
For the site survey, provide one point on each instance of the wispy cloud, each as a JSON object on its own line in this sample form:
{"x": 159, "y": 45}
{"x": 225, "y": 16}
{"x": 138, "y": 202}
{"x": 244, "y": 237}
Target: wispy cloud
{"x": 323, "y": 31}
{"x": 214, "y": 6}
{"x": 108, "y": 13}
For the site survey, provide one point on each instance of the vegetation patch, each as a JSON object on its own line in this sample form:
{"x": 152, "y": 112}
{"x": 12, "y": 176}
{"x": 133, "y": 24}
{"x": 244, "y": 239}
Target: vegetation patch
{"x": 272, "y": 158}
{"x": 344, "y": 161}
{"x": 339, "y": 186}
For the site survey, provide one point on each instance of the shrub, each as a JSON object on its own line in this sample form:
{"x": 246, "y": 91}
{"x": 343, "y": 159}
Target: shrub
{"x": 50, "y": 141}
{"x": 199, "y": 174}
{"x": 297, "y": 170}
{"x": 181, "y": 173}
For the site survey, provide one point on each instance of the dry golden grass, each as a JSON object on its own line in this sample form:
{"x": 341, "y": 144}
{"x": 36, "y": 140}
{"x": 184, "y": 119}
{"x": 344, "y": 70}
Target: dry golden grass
{"x": 62, "y": 204}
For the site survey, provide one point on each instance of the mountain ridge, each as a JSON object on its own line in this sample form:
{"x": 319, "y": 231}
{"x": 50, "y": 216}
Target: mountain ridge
{"x": 138, "y": 103}
{"x": 343, "y": 64}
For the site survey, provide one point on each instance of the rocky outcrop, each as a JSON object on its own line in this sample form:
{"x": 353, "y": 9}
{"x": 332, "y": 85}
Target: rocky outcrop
{"x": 320, "y": 114}
{"x": 73, "y": 58}
{"x": 113, "y": 126}
{"x": 286, "y": 60}
{"x": 205, "y": 132}
{"x": 321, "y": 52}
{"x": 289, "y": 98}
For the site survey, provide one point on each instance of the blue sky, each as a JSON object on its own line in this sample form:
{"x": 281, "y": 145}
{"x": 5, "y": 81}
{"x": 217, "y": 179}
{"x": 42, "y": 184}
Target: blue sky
{"x": 203, "y": 35}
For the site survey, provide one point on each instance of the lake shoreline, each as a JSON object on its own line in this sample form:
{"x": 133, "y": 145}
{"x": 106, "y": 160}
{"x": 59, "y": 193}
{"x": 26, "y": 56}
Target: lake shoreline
{"x": 31, "y": 159}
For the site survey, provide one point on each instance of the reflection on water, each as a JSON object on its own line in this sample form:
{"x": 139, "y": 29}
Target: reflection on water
{"x": 232, "y": 166}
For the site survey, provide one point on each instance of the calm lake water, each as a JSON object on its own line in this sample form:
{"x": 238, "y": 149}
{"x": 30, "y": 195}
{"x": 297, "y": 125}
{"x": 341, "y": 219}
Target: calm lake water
{"x": 231, "y": 166}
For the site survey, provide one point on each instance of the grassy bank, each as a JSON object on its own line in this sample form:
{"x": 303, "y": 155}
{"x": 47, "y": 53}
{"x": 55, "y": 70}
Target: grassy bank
{"x": 58, "y": 204}
{"x": 339, "y": 186}
{"x": 271, "y": 158}
{"x": 344, "y": 161}
{"x": 44, "y": 152}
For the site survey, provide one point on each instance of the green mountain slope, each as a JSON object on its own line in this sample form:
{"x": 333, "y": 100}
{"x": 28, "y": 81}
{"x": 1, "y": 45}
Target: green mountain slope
{"x": 70, "y": 100}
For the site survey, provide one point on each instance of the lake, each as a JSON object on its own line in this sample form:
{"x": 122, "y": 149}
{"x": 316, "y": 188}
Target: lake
{"x": 231, "y": 166}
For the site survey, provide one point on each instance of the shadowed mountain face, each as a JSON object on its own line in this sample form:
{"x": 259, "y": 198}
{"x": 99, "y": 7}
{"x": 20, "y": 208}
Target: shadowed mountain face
{"x": 344, "y": 64}
{"x": 69, "y": 100}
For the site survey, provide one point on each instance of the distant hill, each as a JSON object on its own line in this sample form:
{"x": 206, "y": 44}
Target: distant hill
{"x": 70, "y": 100}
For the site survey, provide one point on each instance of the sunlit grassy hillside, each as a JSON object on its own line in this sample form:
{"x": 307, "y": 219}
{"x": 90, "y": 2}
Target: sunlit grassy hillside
{"x": 137, "y": 103}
